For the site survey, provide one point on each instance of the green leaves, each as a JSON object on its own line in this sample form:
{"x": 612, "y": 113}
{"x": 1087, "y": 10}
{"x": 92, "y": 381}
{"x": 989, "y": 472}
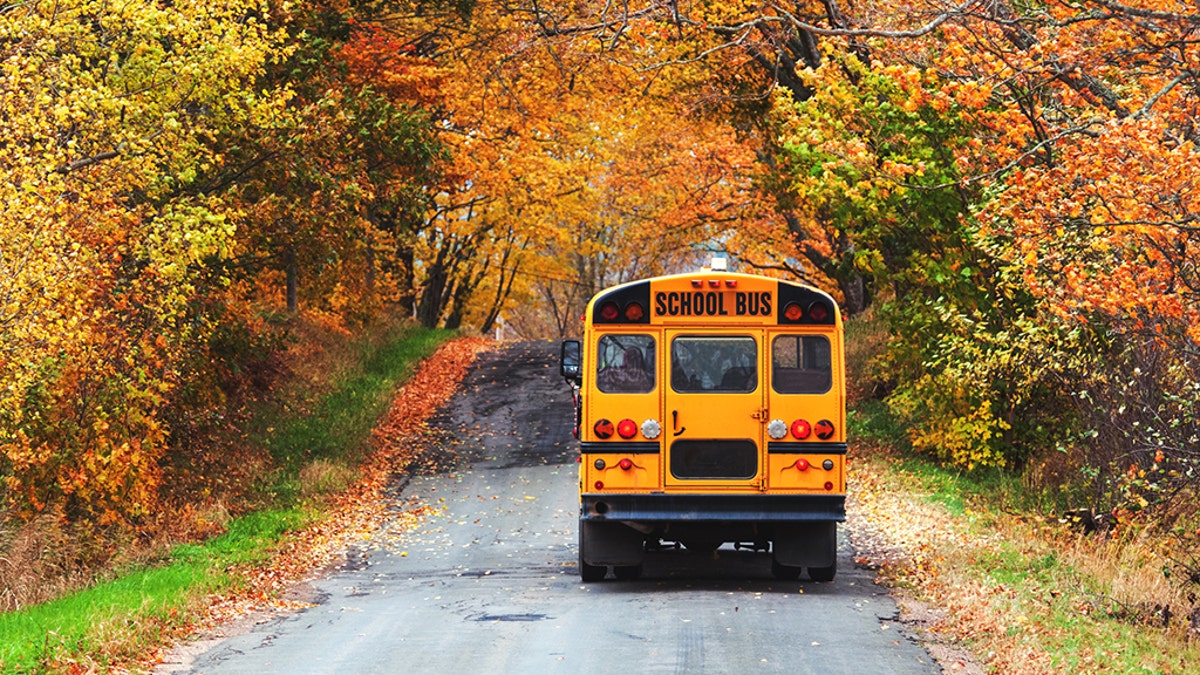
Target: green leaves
{"x": 877, "y": 154}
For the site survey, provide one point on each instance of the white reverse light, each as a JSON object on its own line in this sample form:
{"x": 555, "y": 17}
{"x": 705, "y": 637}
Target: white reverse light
{"x": 777, "y": 429}
{"x": 651, "y": 429}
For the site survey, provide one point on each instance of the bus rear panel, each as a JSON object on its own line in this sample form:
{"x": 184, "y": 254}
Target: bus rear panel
{"x": 711, "y": 410}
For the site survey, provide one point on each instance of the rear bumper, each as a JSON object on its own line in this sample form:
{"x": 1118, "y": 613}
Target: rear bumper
{"x": 713, "y": 508}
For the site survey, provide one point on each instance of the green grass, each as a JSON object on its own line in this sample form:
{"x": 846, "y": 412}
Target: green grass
{"x": 117, "y": 618}
{"x": 1083, "y": 608}
{"x": 1043, "y": 597}
{"x": 870, "y": 418}
{"x": 340, "y": 423}
{"x": 88, "y": 623}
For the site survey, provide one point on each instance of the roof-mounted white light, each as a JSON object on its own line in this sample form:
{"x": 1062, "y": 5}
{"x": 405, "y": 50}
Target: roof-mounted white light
{"x": 719, "y": 264}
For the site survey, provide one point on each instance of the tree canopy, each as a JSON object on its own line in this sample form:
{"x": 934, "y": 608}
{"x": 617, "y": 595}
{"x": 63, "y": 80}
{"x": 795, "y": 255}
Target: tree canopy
{"x": 1012, "y": 188}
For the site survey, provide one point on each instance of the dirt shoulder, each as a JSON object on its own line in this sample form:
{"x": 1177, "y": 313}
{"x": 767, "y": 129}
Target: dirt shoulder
{"x": 895, "y": 534}
{"x": 991, "y": 589}
{"x": 372, "y": 507}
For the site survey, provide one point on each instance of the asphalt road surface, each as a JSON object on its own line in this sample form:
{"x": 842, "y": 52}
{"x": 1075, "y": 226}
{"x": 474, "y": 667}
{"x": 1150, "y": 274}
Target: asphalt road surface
{"x": 488, "y": 584}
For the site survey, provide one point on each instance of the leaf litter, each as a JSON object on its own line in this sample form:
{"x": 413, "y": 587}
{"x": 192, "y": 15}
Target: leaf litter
{"x": 372, "y": 512}
{"x": 989, "y": 591}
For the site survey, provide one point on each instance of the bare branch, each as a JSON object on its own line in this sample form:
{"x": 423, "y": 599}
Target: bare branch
{"x": 1147, "y": 13}
{"x": 790, "y": 19}
{"x": 1145, "y": 109}
{"x": 87, "y": 161}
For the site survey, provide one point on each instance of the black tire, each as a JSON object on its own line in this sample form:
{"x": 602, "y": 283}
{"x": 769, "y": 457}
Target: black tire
{"x": 627, "y": 572}
{"x": 590, "y": 573}
{"x": 823, "y": 574}
{"x": 784, "y": 572}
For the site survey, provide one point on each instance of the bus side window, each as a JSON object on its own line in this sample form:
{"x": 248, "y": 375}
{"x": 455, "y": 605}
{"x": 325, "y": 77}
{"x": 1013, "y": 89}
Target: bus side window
{"x": 625, "y": 364}
{"x": 800, "y": 364}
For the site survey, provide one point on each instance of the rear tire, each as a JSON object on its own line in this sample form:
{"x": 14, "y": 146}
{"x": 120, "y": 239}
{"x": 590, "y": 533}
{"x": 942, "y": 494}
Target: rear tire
{"x": 784, "y": 572}
{"x": 823, "y": 574}
{"x": 590, "y": 573}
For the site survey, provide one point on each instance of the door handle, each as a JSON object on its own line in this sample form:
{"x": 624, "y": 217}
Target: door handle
{"x": 675, "y": 428}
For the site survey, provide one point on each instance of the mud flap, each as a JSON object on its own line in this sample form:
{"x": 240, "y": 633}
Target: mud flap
{"x": 806, "y": 544}
{"x": 610, "y": 543}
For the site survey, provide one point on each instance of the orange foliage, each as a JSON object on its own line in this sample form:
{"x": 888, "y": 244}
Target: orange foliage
{"x": 459, "y": 165}
{"x": 379, "y": 60}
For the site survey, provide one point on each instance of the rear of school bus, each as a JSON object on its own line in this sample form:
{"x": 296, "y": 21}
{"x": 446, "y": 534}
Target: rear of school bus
{"x": 712, "y": 410}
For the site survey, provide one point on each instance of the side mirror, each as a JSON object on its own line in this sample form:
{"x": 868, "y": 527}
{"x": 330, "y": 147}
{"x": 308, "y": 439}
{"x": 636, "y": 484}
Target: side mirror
{"x": 571, "y": 361}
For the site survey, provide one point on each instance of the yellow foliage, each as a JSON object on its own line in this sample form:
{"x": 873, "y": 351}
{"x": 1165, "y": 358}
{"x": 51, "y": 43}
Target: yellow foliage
{"x": 952, "y": 421}
{"x": 109, "y": 113}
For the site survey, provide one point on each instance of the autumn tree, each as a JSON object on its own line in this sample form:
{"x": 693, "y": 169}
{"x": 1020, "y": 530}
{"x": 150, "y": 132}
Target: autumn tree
{"x": 1012, "y": 187}
{"x": 539, "y": 173}
{"x": 1077, "y": 162}
{"x": 1012, "y": 184}
{"x": 106, "y": 240}
{"x": 1099, "y": 202}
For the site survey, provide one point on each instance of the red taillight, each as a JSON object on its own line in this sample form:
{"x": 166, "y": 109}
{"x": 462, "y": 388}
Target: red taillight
{"x": 824, "y": 430}
{"x": 828, "y": 485}
{"x": 603, "y": 429}
{"x": 627, "y": 428}
{"x": 609, "y": 311}
{"x": 599, "y": 485}
{"x": 625, "y": 464}
{"x": 802, "y": 464}
{"x": 793, "y": 311}
{"x": 634, "y": 312}
{"x": 818, "y": 312}
{"x": 800, "y": 429}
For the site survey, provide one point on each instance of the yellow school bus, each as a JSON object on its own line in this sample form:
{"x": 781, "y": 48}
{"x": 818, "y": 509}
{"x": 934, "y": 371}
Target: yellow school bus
{"x": 710, "y": 410}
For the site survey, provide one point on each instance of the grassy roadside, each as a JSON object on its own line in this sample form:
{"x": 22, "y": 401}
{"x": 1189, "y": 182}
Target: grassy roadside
{"x": 986, "y": 573}
{"x": 316, "y": 449}
{"x": 982, "y": 565}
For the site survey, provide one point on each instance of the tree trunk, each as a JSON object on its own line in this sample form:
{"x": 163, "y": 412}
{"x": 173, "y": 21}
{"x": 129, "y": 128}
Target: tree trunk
{"x": 293, "y": 281}
{"x": 406, "y": 279}
{"x": 855, "y": 296}
{"x": 429, "y": 309}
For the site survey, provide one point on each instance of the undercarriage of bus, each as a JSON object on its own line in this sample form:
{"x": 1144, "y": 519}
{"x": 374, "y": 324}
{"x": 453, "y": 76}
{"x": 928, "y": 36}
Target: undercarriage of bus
{"x": 799, "y": 532}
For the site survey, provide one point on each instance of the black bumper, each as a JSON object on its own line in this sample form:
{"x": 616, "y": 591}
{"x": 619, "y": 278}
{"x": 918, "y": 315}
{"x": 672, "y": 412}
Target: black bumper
{"x": 713, "y": 508}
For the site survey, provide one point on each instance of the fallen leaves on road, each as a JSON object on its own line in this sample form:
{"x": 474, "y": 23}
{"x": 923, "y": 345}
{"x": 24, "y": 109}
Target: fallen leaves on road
{"x": 367, "y": 506}
{"x": 361, "y": 512}
{"x": 1023, "y": 593}
{"x": 904, "y": 537}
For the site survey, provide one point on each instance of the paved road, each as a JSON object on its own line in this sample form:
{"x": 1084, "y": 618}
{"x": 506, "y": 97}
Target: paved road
{"x": 489, "y": 584}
